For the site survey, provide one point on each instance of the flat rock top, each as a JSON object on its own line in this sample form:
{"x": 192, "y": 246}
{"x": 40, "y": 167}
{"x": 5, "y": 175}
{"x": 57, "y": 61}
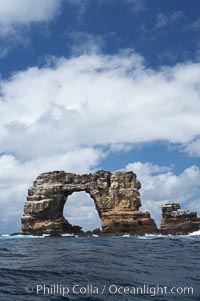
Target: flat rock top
{"x": 101, "y": 175}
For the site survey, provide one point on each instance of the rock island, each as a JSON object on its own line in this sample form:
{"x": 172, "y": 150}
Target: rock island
{"x": 117, "y": 201}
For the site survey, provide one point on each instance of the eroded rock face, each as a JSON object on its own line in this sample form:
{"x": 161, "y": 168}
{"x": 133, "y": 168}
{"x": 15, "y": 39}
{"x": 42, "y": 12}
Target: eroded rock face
{"x": 178, "y": 222}
{"x": 116, "y": 197}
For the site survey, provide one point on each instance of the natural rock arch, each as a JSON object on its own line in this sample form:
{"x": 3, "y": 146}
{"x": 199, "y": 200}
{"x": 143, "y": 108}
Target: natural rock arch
{"x": 116, "y": 197}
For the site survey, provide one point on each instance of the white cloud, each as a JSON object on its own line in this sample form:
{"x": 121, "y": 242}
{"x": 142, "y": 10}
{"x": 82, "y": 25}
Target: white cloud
{"x": 81, "y": 5}
{"x": 136, "y": 6}
{"x": 80, "y": 210}
{"x": 3, "y": 52}
{"x": 193, "y": 149}
{"x": 160, "y": 185}
{"x": 163, "y": 20}
{"x": 194, "y": 25}
{"x": 98, "y": 99}
{"x": 24, "y": 12}
{"x": 84, "y": 42}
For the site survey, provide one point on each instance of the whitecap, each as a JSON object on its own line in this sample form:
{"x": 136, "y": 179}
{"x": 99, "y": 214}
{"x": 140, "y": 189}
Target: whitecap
{"x": 19, "y": 236}
{"x": 68, "y": 235}
{"x": 196, "y": 233}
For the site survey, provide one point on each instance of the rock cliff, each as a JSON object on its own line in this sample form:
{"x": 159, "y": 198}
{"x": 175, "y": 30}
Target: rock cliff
{"x": 116, "y": 197}
{"x": 176, "y": 221}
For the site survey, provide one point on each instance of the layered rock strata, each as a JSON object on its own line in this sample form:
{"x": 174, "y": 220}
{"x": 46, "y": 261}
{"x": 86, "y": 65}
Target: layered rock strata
{"x": 176, "y": 221}
{"x": 116, "y": 197}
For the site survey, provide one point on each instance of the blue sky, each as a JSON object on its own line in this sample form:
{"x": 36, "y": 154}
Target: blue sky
{"x": 100, "y": 84}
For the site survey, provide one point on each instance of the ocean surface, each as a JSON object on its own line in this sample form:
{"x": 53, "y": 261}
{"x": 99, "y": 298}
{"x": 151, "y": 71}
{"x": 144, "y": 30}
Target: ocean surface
{"x": 95, "y": 268}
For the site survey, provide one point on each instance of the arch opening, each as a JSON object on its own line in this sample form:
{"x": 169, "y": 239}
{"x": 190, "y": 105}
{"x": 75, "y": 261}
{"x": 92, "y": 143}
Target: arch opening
{"x": 79, "y": 209}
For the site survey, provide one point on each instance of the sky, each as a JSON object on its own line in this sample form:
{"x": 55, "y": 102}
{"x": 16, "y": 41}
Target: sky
{"x": 100, "y": 84}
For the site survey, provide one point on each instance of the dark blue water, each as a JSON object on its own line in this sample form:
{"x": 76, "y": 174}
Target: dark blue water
{"x": 114, "y": 264}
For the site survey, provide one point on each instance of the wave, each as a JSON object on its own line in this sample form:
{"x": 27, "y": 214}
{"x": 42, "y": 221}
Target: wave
{"x": 154, "y": 236}
{"x": 20, "y": 236}
{"x": 146, "y": 236}
{"x": 169, "y": 236}
{"x": 196, "y": 233}
{"x": 69, "y": 235}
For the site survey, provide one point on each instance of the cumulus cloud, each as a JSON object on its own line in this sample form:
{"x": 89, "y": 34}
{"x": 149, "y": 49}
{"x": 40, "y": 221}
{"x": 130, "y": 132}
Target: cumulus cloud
{"x": 160, "y": 184}
{"x": 98, "y": 99}
{"x": 24, "y": 12}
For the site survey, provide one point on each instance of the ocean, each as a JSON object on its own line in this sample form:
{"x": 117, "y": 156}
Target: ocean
{"x": 100, "y": 268}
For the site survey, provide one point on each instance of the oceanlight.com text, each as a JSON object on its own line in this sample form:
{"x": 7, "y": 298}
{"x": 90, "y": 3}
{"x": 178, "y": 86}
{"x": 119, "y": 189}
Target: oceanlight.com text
{"x": 111, "y": 289}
